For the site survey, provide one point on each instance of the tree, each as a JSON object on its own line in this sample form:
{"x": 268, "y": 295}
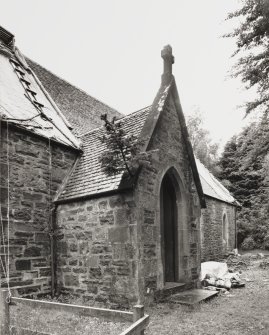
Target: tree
{"x": 123, "y": 151}
{"x": 121, "y": 148}
{"x": 245, "y": 164}
{"x": 204, "y": 149}
{"x": 252, "y": 40}
{"x": 229, "y": 169}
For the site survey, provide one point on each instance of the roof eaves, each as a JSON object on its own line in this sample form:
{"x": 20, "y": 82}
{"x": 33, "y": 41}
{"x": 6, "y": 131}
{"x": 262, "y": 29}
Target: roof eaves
{"x": 91, "y": 196}
{"x": 31, "y": 131}
{"x": 233, "y": 203}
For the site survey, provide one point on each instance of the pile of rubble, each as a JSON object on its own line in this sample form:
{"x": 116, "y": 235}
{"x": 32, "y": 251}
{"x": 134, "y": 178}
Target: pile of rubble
{"x": 216, "y": 276}
{"x": 222, "y": 276}
{"x": 264, "y": 264}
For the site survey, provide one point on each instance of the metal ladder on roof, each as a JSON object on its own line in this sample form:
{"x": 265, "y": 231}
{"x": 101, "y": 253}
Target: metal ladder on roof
{"x": 29, "y": 92}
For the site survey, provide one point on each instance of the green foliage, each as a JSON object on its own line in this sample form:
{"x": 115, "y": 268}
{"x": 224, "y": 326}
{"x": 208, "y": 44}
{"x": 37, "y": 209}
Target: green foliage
{"x": 248, "y": 243}
{"x": 253, "y": 48}
{"x": 266, "y": 242}
{"x": 204, "y": 149}
{"x": 244, "y": 167}
{"x": 121, "y": 148}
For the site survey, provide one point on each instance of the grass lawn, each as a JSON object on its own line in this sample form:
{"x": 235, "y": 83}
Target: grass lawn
{"x": 244, "y": 311}
{"x": 63, "y": 323}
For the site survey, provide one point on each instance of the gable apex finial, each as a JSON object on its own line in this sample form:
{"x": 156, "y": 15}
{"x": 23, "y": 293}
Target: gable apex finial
{"x": 168, "y": 61}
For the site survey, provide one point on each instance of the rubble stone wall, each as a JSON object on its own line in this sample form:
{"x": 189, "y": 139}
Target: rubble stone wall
{"x": 97, "y": 254}
{"x": 169, "y": 152}
{"x": 26, "y": 157}
{"x": 109, "y": 248}
{"x": 213, "y": 247}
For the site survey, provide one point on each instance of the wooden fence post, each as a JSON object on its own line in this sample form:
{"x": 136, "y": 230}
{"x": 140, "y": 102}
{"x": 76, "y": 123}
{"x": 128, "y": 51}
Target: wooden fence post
{"x": 138, "y": 314}
{"x": 4, "y": 313}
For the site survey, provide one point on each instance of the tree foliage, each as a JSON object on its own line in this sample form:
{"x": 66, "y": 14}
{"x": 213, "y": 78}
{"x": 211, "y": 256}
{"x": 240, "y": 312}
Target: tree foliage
{"x": 121, "y": 148}
{"x": 122, "y": 152}
{"x": 204, "y": 149}
{"x": 244, "y": 167}
{"x": 252, "y": 40}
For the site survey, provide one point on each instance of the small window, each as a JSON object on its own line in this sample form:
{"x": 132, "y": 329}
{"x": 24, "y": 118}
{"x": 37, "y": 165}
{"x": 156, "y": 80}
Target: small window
{"x": 225, "y": 231}
{"x": 202, "y": 237}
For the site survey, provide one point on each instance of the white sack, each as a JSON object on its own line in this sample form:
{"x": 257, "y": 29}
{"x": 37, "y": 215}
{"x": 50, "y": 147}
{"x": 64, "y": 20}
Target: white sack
{"x": 214, "y": 269}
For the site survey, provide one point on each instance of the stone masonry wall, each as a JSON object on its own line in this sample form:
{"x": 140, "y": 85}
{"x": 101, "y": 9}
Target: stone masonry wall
{"x": 109, "y": 248}
{"x": 97, "y": 250}
{"x": 168, "y": 151}
{"x": 211, "y": 229}
{"x": 29, "y": 194}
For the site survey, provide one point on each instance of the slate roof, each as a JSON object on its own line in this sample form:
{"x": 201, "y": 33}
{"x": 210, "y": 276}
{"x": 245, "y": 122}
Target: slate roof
{"x": 87, "y": 177}
{"x": 81, "y": 110}
{"x": 16, "y": 107}
{"x": 212, "y": 187}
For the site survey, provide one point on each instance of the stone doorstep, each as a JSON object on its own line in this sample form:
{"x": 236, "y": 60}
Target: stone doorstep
{"x": 170, "y": 288}
{"x": 192, "y": 297}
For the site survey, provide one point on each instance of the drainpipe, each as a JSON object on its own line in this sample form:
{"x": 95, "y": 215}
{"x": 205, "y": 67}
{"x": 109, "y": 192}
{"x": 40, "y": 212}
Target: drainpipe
{"x": 53, "y": 252}
{"x": 235, "y": 228}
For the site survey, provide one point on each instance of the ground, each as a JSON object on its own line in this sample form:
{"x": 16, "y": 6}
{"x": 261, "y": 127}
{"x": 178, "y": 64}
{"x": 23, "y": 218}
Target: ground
{"x": 62, "y": 323}
{"x": 242, "y": 311}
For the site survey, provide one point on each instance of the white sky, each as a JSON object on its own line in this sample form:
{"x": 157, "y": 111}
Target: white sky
{"x": 111, "y": 49}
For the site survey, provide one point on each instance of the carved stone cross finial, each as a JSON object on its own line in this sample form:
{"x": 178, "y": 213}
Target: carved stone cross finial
{"x": 168, "y": 61}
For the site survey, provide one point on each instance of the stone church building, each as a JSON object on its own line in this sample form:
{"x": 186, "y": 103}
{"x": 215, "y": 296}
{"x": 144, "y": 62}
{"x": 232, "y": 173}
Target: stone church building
{"x": 68, "y": 227}
{"x": 218, "y": 219}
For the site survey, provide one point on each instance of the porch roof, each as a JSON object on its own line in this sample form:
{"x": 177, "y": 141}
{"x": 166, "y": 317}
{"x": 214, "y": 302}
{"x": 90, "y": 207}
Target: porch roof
{"x": 89, "y": 179}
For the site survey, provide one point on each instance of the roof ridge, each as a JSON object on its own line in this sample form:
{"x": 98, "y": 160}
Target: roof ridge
{"x": 67, "y": 82}
{"x": 132, "y": 113}
{"x": 124, "y": 117}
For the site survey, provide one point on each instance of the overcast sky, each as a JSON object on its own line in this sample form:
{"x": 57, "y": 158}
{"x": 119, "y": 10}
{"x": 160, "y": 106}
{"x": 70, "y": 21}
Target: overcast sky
{"x": 111, "y": 49}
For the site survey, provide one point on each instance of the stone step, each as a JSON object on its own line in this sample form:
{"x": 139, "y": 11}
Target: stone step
{"x": 192, "y": 297}
{"x": 170, "y": 288}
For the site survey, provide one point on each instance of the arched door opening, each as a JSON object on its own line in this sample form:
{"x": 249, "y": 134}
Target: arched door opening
{"x": 169, "y": 229}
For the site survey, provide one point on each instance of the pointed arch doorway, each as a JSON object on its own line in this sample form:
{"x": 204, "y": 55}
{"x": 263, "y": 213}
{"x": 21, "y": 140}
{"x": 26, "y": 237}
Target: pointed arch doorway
{"x": 169, "y": 228}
